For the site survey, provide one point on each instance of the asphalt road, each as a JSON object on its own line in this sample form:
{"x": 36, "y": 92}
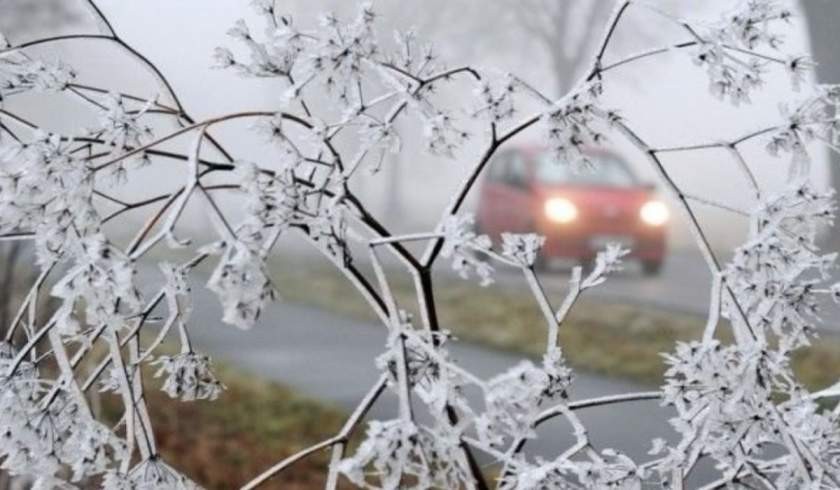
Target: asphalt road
{"x": 683, "y": 286}
{"x": 332, "y": 359}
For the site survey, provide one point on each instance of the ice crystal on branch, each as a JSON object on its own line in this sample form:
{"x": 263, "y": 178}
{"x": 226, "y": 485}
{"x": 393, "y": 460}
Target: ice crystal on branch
{"x": 496, "y": 99}
{"x": 515, "y": 399}
{"x": 47, "y": 189}
{"x": 41, "y": 440}
{"x": 397, "y": 449}
{"x": 188, "y": 377}
{"x": 608, "y": 470}
{"x": 607, "y": 262}
{"x": 121, "y": 128}
{"x": 575, "y": 124}
{"x": 442, "y": 137}
{"x": 344, "y": 58}
{"x": 427, "y": 365}
{"x": 728, "y": 50}
{"x": 522, "y": 249}
{"x": 92, "y": 449}
{"x": 270, "y": 200}
{"x": 242, "y": 284}
{"x": 177, "y": 283}
{"x": 19, "y": 73}
{"x": 737, "y": 404}
{"x": 776, "y": 273}
{"x": 727, "y": 394}
{"x": 744, "y": 396}
{"x": 112, "y": 380}
{"x": 151, "y": 474}
{"x": 101, "y": 284}
{"x": 461, "y": 244}
{"x": 816, "y": 118}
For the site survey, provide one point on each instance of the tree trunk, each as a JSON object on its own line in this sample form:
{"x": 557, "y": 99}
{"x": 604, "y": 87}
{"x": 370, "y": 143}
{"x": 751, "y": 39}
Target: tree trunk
{"x": 823, "y": 20}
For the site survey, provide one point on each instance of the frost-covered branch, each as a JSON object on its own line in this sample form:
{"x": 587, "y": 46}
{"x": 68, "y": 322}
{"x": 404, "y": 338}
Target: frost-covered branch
{"x": 731, "y": 399}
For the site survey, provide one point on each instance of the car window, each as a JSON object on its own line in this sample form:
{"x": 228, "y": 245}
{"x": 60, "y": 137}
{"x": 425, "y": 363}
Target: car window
{"x": 517, "y": 174}
{"x": 498, "y": 167}
{"x": 607, "y": 170}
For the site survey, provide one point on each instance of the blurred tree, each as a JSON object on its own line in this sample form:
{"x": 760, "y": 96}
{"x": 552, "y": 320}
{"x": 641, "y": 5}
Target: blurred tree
{"x": 557, "y": 37}
{"x": 565, "y": 30}
{"x": 560, "y": 32}
{"x": 823, "y": 18}
{"x": 35, "y": 17}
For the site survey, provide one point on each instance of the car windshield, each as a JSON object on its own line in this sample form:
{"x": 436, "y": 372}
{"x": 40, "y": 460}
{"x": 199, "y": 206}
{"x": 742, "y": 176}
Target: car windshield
{"x": 607, "y": 170}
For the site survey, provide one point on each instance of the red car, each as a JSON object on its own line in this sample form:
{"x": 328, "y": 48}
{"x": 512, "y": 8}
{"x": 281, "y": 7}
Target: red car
{"x": 526, "y": 190}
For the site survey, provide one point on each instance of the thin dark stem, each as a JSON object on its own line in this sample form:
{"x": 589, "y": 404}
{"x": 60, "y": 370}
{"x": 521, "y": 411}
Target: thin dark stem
{"x": 90, "y": 88}
{"x": 9, "y": 132}
{"x": 194, "y": 126}
{"x": 465, "y": 188}
{"x": 450, "y": 73}
{"x": 612, "y": 26}
{"x": 139, "y": 204}
{"x": 719, "y": 144}
{"x": 182, "y": 113}
{"x": 646, "y": 54}
{"x": 55, "y": 39}
{"x": 694, "y": 224}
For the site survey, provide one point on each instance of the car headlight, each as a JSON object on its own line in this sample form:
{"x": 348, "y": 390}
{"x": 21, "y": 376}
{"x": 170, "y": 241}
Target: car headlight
{"x": 655, "y": 213}
{"x": 561, "y": 210}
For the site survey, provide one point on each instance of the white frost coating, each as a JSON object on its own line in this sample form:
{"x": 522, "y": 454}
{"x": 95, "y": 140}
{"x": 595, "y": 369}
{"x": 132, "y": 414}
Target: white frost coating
{"x": 19, "y": 73}
{"x": 188, "y": 377}
{"x": 522, "y": 249}
{"x": 241, "y": 282}
{"x": 737, "y": 403}
{"x": 460, "y": 244}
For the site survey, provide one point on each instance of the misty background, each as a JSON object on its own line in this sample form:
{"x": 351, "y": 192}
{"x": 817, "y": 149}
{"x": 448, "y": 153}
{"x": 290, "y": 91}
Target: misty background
{"x": 545, "y": 42}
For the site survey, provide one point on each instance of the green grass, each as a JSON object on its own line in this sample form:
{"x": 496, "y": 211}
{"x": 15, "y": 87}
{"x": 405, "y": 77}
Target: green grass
{"x": 618, "y": 340}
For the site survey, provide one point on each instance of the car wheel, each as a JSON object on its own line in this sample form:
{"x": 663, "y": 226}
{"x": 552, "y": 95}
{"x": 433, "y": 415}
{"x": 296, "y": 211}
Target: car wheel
{"x": 651, "y": 268}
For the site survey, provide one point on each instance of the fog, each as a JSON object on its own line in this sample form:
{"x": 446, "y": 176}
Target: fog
{"x": 665, "y": 97}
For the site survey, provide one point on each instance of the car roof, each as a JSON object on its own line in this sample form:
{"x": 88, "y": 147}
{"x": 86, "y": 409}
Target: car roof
{"x": 532, "y": 151}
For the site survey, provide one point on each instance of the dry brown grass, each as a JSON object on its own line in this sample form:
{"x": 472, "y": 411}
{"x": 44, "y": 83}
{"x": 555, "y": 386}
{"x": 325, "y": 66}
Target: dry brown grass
{"x": 254, "y": 424}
